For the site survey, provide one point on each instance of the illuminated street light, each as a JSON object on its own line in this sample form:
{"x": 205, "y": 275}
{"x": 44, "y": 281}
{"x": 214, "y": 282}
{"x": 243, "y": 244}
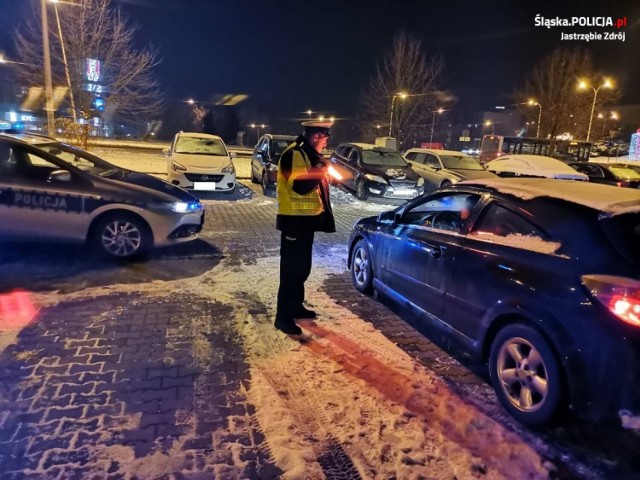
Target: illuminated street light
{"x": 402, "y": 95}
{"x": 533, "y": 102}
{"x": 433, "y": 122}
{"x": 605, "y": 117}
{"x": 257, "y": 127}
{"x": 309, "y": 112}
{"x": 582, "y": 85}
{"x": 4, "y": 60}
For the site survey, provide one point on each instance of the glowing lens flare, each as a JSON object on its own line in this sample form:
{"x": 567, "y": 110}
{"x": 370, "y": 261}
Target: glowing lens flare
{"x": 334, "y": 173}
{"x": 16, "y": 310}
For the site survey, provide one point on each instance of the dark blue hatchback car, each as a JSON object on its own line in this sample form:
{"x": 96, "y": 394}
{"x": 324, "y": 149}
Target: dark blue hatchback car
{"x": 540, "y": 278}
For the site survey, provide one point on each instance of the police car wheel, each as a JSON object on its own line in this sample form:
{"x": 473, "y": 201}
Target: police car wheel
{"x": 122, "y": 236}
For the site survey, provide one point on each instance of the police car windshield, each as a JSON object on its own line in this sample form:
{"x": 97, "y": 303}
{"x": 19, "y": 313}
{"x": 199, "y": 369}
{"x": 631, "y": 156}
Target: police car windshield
{"x": 81, "y": 159}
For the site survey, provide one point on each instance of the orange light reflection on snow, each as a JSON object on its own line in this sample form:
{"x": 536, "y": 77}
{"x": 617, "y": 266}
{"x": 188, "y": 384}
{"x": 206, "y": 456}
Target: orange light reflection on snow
{"x": 16, "y": 310}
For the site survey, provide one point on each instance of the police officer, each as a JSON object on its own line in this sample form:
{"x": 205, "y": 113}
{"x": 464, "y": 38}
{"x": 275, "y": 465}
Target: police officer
{"x": 303, "y": 208}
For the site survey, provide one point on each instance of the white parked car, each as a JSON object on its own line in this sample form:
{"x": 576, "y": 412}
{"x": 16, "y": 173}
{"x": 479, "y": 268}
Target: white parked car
{"x": 200, "y": 161}
{"x": 533, "y": 166}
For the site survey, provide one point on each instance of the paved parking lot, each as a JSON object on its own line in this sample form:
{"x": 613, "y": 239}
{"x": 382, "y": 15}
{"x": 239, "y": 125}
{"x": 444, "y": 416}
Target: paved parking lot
{"x": 131, "y": 371}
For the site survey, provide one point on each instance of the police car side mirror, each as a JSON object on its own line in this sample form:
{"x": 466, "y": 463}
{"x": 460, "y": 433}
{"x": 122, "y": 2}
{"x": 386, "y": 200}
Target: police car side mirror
{"x": 60, "y": 176}
{"x": 165, "y": 151}
{"x": 233, "y": 154}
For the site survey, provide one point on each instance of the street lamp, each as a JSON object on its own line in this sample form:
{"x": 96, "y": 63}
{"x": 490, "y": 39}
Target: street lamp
{"x": 257, "y": 127}
{"x": 583, "y": 86}
{"x": 64, "y": 59}
{"x": 48, "y": 87}
{"x": 309, "y": 112}
{"x": 533, "y": 102}
{"x": 4, "y": 60}
{"x": 402, "y": 95}
{"x": 603, "y": 116}
{"x": 491, "y": 124}
{"x": 433, "y": 122}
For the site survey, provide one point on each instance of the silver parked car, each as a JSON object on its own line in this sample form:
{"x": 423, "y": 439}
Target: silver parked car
{"x": 440, "y": 168}
{"x": 53, "y": 191}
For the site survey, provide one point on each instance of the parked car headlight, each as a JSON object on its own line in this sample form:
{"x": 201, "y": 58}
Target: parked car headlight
{"x": 176, "y": 167}
{"x": 184, "y": 207}
{"x": 420, "y": 182}
{"x": 375, "y": 178}
{"x": 229, "y": 169}
{"x": 272, "y": 167}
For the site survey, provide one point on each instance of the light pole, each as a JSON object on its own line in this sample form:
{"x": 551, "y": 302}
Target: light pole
{"x": 533, "y": 102}
{"x": 66, "y": 65}
{"x": 605, "y": 117}
{"x": 491, "y": 124}
{"x": 257, "y": 127}
{"x": 48, "y": 87}
{"x": 393, "y": 99}
{"x": 583, "y": 86}
{"x": 433, "y": 122}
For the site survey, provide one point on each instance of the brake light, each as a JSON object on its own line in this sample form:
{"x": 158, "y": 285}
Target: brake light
{"x": 620, "y": 295}
{"x": 622, "y": 184}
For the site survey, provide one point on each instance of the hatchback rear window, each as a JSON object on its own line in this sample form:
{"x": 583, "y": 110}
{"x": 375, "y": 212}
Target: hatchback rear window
{"x": 623, "y": 231}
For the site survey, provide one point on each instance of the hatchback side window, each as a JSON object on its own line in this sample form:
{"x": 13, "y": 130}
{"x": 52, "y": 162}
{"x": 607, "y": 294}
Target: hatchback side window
{"x": 410, "y": 156}
{"x": 353, "y": 157}
{"x": 421, "y": 158}
{"x": 449, "y": 212}
{"x": 342, "y": 151}
{"x": 500, "y": 221}
{"x": 432, "y": 161}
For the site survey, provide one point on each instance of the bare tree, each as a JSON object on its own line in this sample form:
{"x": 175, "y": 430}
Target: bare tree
{"x": 404, "y": 69}
{"x": 92, "y": 29}
{"x": 553, "y": 84}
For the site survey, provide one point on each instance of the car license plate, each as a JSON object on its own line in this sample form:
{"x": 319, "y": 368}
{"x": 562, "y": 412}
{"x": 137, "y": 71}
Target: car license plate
{"x": 204, "y": 185}
{"x": 403, "y": 192}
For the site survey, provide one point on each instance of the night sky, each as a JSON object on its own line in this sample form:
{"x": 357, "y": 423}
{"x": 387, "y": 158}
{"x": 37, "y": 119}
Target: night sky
{"x": 289, "y": 56}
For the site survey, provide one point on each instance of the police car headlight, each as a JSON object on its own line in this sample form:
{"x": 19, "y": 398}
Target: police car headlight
{"x": 229, "y": 169}
{"x": 184, "y": 207}
{"x": 176, "y": 167}
{"x": 376, "y": 178}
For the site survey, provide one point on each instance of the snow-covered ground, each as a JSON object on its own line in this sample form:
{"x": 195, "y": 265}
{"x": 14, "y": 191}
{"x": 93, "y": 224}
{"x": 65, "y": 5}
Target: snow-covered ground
{"x": 350, "y": 392}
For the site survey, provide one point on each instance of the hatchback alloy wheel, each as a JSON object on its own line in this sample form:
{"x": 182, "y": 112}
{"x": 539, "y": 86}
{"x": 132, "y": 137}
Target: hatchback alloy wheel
{"x": 526, "y": 374}
{"x": 122, "y": 237}
{"x": 361, "y": 270}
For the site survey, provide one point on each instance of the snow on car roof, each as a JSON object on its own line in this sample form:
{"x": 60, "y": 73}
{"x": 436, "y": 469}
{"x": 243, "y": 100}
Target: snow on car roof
{"x": 198, "y": 135}
{"x": 605, "y": 198}
{"x": 439, "y": 152}
{"x": 538, "y": 162}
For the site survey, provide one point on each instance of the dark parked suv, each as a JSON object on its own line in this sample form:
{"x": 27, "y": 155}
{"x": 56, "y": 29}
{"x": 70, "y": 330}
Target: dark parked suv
{"x": 371, "y": 171}
{"x": 265, "y": 158}
{"x": 536, "y": 276}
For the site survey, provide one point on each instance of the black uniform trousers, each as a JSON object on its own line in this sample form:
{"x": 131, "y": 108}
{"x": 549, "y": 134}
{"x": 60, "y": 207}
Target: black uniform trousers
{"x": 296, "y": 252}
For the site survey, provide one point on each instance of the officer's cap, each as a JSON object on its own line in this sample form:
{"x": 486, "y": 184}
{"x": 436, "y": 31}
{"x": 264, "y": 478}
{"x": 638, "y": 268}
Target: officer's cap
{"x": 317, "y": 126}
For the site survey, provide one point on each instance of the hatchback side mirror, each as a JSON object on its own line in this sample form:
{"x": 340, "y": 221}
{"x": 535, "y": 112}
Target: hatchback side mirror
{"x": 233, "y": 154}
{"x": 165, "y": 151}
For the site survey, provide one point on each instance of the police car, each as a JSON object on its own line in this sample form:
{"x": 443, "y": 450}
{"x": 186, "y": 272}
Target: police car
{"x": 51, "y": 190}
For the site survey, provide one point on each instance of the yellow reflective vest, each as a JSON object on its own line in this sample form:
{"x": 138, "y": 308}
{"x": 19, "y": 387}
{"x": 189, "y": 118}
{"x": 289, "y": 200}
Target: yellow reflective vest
{"x": 290, "y": 202}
